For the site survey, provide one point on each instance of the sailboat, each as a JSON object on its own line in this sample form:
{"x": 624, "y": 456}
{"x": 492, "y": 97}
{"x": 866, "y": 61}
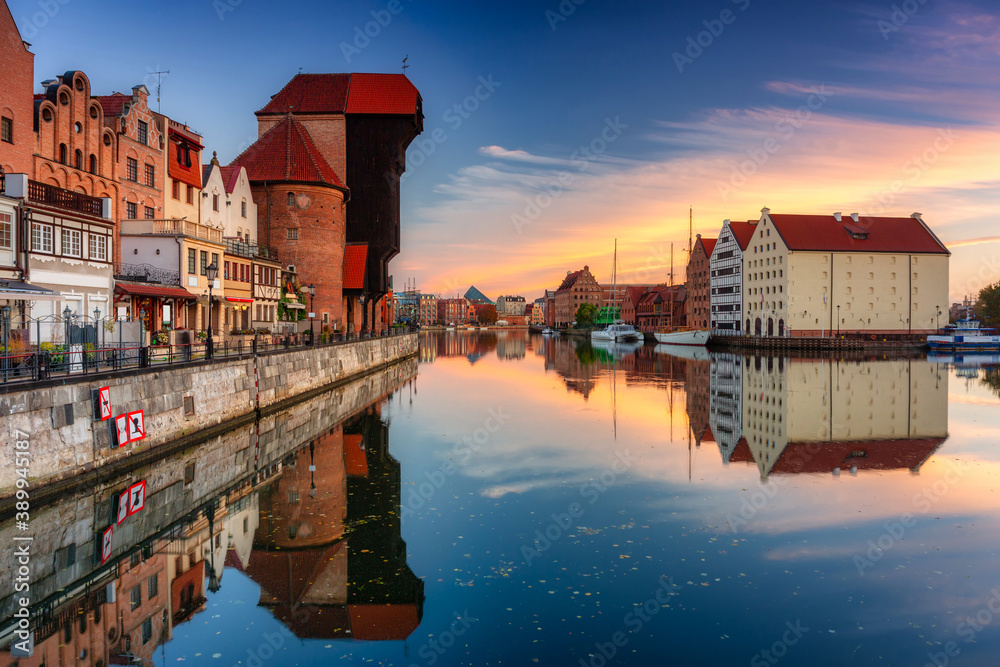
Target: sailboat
{"x": 616, "y": 330}
{"x": 671, "y": 335}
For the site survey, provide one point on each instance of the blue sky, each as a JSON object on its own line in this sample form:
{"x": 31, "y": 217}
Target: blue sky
{"x": 874, "y": 85}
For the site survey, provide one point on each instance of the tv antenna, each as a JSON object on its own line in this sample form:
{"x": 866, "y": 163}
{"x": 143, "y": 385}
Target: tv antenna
{"x": 159, "y": 85}
{"x": 405, "y": 66}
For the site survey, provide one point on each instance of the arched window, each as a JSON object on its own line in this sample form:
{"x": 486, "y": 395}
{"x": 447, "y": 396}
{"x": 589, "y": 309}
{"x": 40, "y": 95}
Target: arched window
{"x": 291, "y": 199}
{"x": 62, "y": 153}
{"x": 78, "y": 162}
{"x": 93, "y": 163}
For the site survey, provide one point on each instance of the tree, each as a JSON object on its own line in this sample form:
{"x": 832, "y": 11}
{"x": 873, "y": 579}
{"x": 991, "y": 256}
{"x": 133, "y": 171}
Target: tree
{"x": 487, "y": 314}
{"x": 585, "y": 315}
{"x": 988, "y": 306}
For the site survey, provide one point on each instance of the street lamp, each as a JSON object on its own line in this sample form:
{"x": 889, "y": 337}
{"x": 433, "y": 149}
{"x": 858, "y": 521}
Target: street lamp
{"x": 5, "y": 313}
{"x": 66, "y": 315}
{"x": 938, "y": 322}
{"x": 211, "y": 271}
{"x": 312, "y": 314}
{"x": 838, "y": 320}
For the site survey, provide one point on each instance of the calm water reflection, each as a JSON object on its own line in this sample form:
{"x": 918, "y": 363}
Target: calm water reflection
{"x": 546, "y": 501}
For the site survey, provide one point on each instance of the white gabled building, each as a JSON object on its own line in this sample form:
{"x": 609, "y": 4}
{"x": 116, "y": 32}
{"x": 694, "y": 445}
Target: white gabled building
{"x": 726, "y": 275}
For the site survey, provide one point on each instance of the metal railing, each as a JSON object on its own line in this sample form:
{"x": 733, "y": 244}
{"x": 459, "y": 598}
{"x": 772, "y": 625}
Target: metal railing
{"x": 147, "y": 273}
{"x": 249, "y": 250}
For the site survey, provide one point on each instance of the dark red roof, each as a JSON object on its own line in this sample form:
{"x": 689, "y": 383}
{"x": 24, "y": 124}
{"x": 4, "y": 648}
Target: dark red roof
{"x": 635, "y": 293}
{"x": 162, "y": 291}
{"x": 823, "y": 457}
{"x": 743, "y": 231}
{"x": 708, "y": 244}
{"x": 355, "y": 261}
{"x": 114, "y": 103}
{"x": 742, "y": 453}
{"x": 391, "y": 94}
{"x": 570, "y": 280}
{"x": 230, "y": 176}
{"x": 287, "y": 153}
{"x": 823, "y": 232}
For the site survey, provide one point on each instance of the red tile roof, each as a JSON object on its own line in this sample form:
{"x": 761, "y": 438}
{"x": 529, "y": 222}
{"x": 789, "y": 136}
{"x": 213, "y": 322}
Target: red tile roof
{"x": 824, "y": 233}
{"x": 391, "y": 94}
{"x": 708, "y": 244}
{"x": 570, "y": 280}
{"x": 114, "y": 103}
{"x": 230, "y": 176}
{"x": 355, "y": 262}
{"x": 824, "y": 457}
{"x": 743, "y": 231}
{"x": 742, "y": 453}
{"x": 287, "y": 153}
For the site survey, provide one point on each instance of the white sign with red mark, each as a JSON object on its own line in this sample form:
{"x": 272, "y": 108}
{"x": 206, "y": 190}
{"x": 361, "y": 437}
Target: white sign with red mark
{"x": 136, "y": 497}
{"x": 106, "y": 544}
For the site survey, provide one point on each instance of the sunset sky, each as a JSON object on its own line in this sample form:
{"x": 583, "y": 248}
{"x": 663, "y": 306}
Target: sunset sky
{"x": 726, "y": 107}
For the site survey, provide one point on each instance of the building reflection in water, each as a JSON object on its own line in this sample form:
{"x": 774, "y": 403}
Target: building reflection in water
{"x": 317, "y": 528}
{"x": 328, "y": 554}
{"x": 791, "y": 416}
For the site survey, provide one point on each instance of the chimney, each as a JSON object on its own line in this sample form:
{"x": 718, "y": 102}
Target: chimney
{"x": 854, "y": 217}
{"x": 917, "y": 216}
{"x": 765, "y": 211}
{"x": 48, "y": 82}
{"x": 837, "y": 216}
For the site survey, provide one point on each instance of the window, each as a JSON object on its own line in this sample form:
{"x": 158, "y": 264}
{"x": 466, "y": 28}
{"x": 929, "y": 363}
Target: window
{"x": 99, "y": 247}
{"x": 215, "y": 260}
{"x": 191, "y": 261}
{"x": 190, "y": 195}
{"x": 243, "y": 208}
{"x": 71, "y": 242}
{"x": 246, "y": 525}
{"x": 131, "y": 210}
{"x": 5, "y": 231}
{"x": 7, "y": 129}
{"x": 150, "y": 212}
{"x": 204, "y": 263}
{"x": 136, "y": 600}
{"x": 225, "y": 272}
{"x": 93, "y": 163}
{"x": 147, "y": 630}
{"x": 291, "y": 199}
{"x": 41, "y": 237}
{"x": 215, "y": 202}
{"x": 150, "y": 175}
{"x": 293, "y": 234}
{"x": 62, "y": 153}
{"x": 131, "y": 169}
{"x": 176, "y": 190}
{"x": 152, "y": 587}
{"x": 143, "y": 133}
{"x": 78, "y": 159}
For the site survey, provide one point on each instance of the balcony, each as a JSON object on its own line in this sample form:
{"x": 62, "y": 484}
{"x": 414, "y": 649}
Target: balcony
{"x": 50, "y": 195}
{"x": 242, "y": 248}
{"x": 176, "y": 227}
{"x": 145, "y": 273}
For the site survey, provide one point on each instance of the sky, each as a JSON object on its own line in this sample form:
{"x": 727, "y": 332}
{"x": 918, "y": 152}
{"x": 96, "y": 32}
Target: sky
{"x": 554, "y": 129}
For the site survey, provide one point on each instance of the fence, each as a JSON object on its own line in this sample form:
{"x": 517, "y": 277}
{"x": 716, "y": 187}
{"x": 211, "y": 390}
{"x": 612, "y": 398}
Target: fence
{"x": 56, "y": 360}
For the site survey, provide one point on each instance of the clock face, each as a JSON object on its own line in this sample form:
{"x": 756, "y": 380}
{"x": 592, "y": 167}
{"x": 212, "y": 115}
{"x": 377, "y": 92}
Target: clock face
{"x": 303, "y": 201}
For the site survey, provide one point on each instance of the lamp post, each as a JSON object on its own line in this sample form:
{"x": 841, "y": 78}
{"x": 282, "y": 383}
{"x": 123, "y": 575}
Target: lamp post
{"x": 66, "y": 315}
{"x": 5, "y": 313}
{"x": 938, "y": 321}
{"x": 312, "y": 314}
{"x": 211, "y": 271}
{"x": 838, "y": 320}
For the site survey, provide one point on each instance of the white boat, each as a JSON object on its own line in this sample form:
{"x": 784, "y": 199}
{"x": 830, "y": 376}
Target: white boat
{"x": 692, "y": 352}
{"x": 549, "y": 332}
{"x": 965, "y": 336}
{"x": 699, "y": 337}
{"x": 619, "y": 331}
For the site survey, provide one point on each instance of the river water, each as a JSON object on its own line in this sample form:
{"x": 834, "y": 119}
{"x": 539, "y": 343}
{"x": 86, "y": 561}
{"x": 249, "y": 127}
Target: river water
{"x": 522, "y": 500}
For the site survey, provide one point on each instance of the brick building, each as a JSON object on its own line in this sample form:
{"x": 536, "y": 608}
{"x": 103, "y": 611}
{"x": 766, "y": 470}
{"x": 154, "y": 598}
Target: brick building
{"x": 359, "y": 125}
{"x": 17, "y": 137}
{"x": 453, "y": 311}
{"x": 577, "y": 288}
{"x": 698, "y": 307}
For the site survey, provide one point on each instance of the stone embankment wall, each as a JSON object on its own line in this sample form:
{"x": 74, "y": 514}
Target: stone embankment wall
{"x": 55, "y": 417}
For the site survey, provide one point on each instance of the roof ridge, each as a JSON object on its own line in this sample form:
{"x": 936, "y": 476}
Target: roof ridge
{"x": 288, "y": 146}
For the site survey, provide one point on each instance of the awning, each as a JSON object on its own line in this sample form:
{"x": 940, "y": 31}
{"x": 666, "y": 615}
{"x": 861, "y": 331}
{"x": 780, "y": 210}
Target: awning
{"x": 22, "y": 291}
{"x": 295, "y": 306}
{"x": 145, "y": 289}
{"x": 238, "y": 300}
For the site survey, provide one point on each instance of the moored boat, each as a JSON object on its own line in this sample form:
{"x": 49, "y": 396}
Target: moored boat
{"x": 699, "y": 337}
{"x": 967, "y": 335}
